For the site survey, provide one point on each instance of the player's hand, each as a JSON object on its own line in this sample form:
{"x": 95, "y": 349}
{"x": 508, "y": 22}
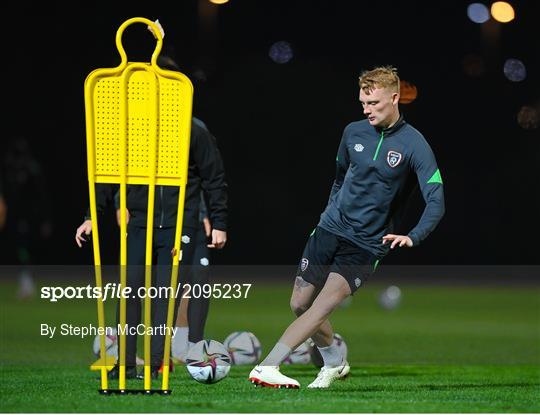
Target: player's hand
{"x": 118, "y": 216}
{"x": 85, "y": 228}
{"x": 219, "y": 238}
{"x": 397, "y": 240}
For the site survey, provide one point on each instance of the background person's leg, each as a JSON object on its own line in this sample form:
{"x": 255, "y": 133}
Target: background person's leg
{"x": 163, "y": 243}
{"x": 184, "y": 277}
{"x": 198, "y": 306}
{"x": 181, "y": 318}
{"x": 179, "y": 345}
{"x": 136, "y": 243}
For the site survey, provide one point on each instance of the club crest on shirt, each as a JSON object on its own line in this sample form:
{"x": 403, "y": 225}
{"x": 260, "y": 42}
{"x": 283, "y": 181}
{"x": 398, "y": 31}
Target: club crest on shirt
{"x": 393, "y": 158}
{"x": 358, "y": 147}
{"x": 304, "y": 264}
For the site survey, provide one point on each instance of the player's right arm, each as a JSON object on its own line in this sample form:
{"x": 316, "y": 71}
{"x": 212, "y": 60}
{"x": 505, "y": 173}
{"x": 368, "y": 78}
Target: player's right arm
{"x": 207, "y": 158}
{"x": 104, "y": 194}
{"x": 85, "y": 229}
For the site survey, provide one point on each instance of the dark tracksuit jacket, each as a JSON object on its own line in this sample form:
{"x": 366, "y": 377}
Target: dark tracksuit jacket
{"x": 205, "y": 171}
{"x": 377, "y": 170}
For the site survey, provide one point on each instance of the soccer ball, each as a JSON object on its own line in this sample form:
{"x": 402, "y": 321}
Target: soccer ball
{"x": 111, "y": 343}
{"x": 244, "y": 347}
{"x": 316, "y": 357}
{"x": 390, "y": 298}
{"x": 208, "y": 361}
{"x": 300, "y": 356}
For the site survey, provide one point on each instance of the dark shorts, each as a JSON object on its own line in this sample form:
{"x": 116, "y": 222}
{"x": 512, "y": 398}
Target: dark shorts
{"x": 326, "y": 252}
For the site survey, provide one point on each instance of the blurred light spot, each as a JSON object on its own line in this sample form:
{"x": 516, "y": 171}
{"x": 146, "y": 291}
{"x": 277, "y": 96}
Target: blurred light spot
{"x": 478, "y": 13}
{"x": 281, "y": 52}
{"x": 528, "y": 117}
{"x": 502, "y": 12}
{"x": 514, "y": 70}
{"x": 219, "y": 1}
{"x": 473, "y": 65}
{"x": 407, "y": 92}
{"x": 390, "y": 298}
{"x": 393, "y": 292}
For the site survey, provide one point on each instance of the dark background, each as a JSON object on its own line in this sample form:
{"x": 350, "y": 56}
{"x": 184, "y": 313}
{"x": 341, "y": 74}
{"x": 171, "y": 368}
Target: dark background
{"x": 279, "y": 125}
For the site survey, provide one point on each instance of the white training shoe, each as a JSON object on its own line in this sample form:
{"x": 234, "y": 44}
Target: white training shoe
{"x": 327, "y": 375}
{"x": 271, "y": 377}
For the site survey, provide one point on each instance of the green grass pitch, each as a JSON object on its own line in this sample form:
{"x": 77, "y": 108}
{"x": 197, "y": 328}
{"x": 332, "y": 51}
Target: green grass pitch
{"x": 445, "y": 349}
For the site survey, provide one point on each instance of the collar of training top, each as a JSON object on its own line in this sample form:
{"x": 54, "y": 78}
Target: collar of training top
{"x": 391, "y": 130}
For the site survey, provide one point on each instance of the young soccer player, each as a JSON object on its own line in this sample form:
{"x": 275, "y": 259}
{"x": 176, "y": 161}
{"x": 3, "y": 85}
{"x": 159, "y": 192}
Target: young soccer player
{"x": 379, "y": 162}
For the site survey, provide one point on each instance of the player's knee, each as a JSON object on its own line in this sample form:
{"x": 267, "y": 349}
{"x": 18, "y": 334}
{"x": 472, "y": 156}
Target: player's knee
{"x": 298, "y": 306}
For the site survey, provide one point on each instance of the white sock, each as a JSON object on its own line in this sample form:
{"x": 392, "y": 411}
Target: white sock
{"x": 277, "y": 355}
{"x": 179, "y": 345}
{"x": 331, "y": 355}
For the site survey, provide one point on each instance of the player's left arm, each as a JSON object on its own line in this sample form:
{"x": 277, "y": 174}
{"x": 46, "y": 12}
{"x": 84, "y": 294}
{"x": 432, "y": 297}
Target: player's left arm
{"x": 424, "y": 164}
{"x": 430, "y": 182}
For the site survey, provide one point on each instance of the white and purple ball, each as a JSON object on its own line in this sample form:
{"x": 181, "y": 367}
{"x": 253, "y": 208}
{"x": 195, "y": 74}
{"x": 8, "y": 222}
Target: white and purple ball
{"x": 208, "y": 361}
{"x": 243, "y": 347}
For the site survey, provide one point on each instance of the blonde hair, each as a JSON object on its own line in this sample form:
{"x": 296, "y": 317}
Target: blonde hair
{"x": 380, "y": 77}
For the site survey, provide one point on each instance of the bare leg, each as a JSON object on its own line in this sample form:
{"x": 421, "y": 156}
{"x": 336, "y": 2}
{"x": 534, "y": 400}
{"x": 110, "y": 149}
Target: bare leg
{"x": 310, "y": 322}
{"x": 302, "y": 298}
{"x": 180, "y": 343}
{"x": 181, "y": 318}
